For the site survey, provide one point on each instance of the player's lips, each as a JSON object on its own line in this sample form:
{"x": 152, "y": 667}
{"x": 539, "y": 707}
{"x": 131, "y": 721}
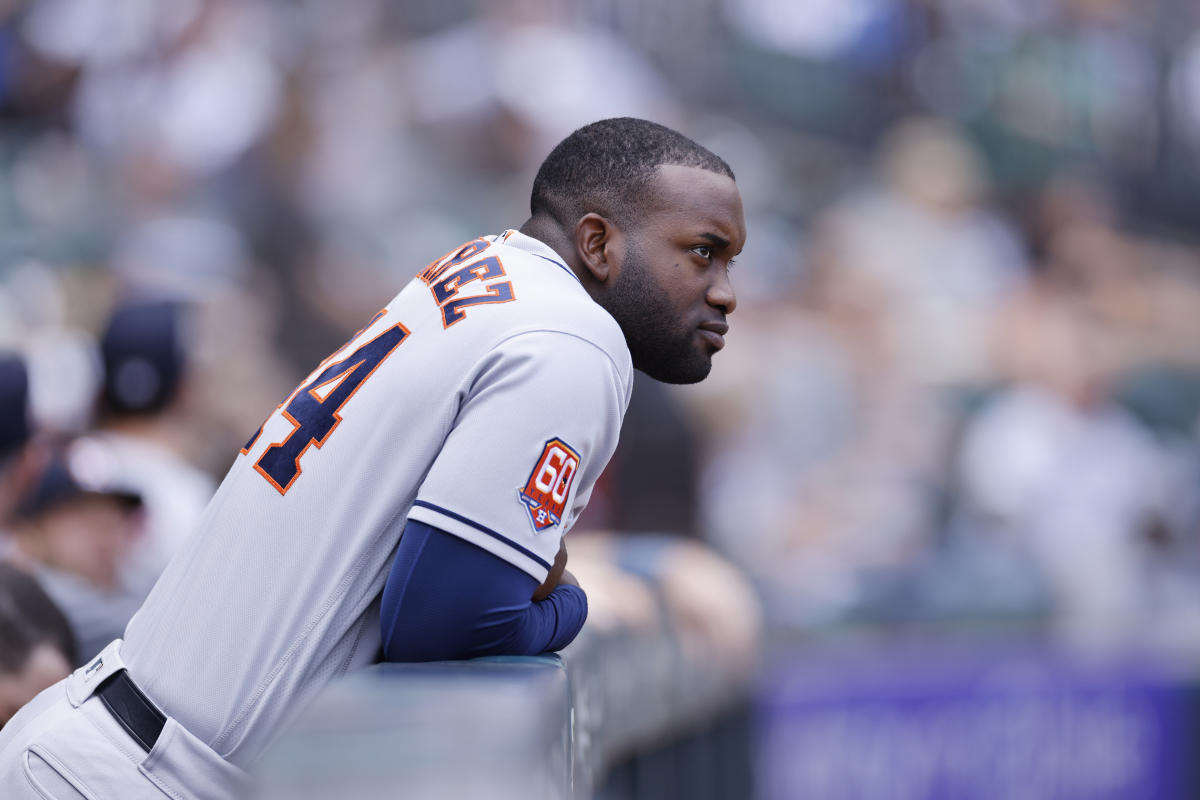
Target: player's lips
{"x": 714, "y": 333}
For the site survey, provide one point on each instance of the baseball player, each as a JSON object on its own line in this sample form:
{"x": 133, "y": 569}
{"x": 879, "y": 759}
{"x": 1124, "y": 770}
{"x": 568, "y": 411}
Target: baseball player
{"x": 409, "y": 498}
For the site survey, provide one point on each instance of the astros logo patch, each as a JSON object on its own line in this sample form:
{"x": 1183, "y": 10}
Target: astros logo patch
{"x": 545, "y": 493}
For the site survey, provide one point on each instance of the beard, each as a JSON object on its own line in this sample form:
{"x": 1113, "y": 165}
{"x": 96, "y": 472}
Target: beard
{"x": 661, "y": 344}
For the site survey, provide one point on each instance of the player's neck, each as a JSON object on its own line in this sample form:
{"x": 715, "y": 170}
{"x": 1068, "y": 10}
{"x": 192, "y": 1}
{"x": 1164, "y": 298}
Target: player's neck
{"x": 547, "y": 231}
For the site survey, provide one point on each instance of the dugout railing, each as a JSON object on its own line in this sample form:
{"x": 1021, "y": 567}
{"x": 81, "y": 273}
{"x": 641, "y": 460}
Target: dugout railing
{"x": 619, "y": 714}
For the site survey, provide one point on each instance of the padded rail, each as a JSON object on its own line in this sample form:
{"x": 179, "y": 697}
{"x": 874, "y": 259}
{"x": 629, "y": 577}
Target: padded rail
{"x": 509, "y": 727}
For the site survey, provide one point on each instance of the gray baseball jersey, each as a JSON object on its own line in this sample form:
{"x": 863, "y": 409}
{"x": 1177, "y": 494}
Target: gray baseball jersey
{"x": 485, "y": 400}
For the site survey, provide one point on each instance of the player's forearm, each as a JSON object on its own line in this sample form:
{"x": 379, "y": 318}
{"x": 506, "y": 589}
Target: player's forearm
{"x": 540, "y": 626}
{"x": 570, "y": 612}
{"x": 448, "y": 599}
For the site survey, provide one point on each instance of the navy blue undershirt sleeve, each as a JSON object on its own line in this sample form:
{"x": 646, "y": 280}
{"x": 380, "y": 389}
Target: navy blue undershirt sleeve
{"x": 446, "y": 598}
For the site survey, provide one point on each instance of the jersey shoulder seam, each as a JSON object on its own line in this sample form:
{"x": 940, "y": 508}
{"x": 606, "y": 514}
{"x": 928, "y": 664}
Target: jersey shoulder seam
{"x": 507, "y": 248}
{"x": 527, "y": 331}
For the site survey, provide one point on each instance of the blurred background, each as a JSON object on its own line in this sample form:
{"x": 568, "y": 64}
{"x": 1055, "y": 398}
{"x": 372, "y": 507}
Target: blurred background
{"x": 936, "y": 507}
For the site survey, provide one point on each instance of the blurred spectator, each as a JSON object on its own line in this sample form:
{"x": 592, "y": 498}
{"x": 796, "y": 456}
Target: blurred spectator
{"x": 857, "y": 32}
{"x": 922, "y": 249}
{"x": 18, "y": 460}
{"x": 172, "y": 93}
{"x": 638, "y": 582}
{"x": 512, "y": 38}
{"x": 37, "y": 647}
{"x": 57, "y": 350}
{"x": 1054, "y": 465}
{"x": 825, "y": 461}
{"x": 73, "y": 531}
{"x": 1144, "y": 291}
{"x": 227, "y": 312}
{"x": 143, "y": 430}
{"x": 832, "y": 418}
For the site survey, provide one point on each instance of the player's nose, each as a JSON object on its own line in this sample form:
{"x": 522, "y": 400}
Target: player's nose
{"x": 720, "y": 293}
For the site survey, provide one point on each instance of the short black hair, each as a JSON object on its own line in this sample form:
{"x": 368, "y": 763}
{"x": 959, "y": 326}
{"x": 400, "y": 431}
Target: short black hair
{"x": 28, "y": 618}
{"x": 602, "y": 166}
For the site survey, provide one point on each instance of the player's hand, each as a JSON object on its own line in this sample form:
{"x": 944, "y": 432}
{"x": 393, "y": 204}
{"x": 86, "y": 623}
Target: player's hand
{"x": 557, "y": 571}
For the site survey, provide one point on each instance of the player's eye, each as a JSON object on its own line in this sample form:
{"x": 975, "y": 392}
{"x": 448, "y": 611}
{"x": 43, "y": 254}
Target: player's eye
{"x": 704, "y": 251}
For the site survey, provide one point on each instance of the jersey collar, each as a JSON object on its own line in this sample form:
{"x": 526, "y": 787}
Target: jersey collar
{"x": 536, "y": 247}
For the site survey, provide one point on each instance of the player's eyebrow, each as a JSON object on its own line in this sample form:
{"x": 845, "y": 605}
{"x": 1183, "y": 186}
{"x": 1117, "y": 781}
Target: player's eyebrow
{"x": 721, "y": 242}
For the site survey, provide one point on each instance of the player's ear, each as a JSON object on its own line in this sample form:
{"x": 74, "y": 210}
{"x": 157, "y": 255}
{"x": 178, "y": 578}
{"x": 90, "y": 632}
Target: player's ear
{"x": 597, "y": 241}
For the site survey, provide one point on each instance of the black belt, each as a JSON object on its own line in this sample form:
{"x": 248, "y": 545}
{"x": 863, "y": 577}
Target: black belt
{"x": 137, "y": 715}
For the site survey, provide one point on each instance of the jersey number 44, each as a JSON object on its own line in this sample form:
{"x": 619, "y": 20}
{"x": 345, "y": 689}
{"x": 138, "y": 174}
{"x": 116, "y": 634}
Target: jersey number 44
{"x": 313, "y": 409}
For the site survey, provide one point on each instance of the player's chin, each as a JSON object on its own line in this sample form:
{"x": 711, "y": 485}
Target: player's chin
{"x": 687, "y": 359}
{"x": 697, "y": 375}
{"x": 692, "y": 368}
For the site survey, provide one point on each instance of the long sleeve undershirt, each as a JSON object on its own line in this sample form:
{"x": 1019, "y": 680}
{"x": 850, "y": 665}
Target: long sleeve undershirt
{"x": 446, "y": 598}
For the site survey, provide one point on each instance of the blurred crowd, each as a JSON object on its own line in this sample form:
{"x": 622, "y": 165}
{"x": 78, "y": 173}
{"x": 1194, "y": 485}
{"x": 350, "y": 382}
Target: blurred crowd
{"x": 960, "y": 387}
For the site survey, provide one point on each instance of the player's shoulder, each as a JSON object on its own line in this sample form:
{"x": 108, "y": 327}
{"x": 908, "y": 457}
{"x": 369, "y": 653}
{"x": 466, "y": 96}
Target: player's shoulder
{"x": 551, "y": 298}
{"x": 512, "y": 285}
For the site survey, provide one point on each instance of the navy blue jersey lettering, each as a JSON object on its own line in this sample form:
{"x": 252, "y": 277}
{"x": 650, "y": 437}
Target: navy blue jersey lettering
{"x": 313, "y": 409}
{"x": 446, "y": 290}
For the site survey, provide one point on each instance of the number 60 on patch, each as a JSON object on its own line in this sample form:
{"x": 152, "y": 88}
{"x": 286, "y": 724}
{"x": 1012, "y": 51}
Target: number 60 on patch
{"x": 545, "y": 493}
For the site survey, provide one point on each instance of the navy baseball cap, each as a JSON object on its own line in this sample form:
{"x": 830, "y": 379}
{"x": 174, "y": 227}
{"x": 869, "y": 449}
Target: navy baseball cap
{"x": 14, "y": 404}
{"x": 143, "y": 359}
{"x": 66, "y": 478}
